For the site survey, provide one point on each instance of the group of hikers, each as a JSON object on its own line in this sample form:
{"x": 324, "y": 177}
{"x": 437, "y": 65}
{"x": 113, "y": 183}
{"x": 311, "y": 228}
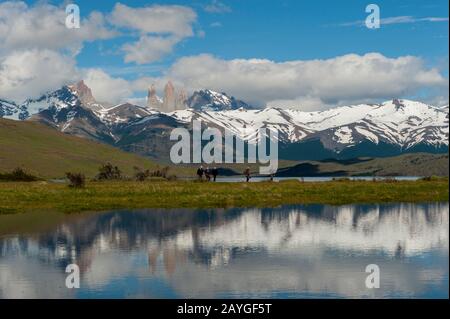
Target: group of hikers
{"x": 208, "y": 173}
{"x": 214, "y": 172}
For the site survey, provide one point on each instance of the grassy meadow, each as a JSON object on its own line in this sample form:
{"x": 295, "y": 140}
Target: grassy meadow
{"x": 48, "y": 153}
{"x": 18, "y": 197}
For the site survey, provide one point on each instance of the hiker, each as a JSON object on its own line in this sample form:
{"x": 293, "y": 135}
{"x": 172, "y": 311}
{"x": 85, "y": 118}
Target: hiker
{"x": 215, "y": 172}
{"x": 200, "y": 172}
{"x": 247, "y": 174}
{"x": 207, "y": 174}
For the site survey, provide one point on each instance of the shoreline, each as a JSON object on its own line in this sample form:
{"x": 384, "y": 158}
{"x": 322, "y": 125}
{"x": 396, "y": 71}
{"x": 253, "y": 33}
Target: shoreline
{"x": 18, "y": 197}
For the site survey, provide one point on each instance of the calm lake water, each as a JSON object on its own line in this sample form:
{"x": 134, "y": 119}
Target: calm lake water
{"x": 314, "y": 178}
{"x": 312, "y": 251}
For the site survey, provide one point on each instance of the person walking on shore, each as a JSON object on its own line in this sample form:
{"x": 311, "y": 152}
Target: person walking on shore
{"x": 200, "y": 173}
{"x": 215, "y": 172}
{"x": 247, "y": 174}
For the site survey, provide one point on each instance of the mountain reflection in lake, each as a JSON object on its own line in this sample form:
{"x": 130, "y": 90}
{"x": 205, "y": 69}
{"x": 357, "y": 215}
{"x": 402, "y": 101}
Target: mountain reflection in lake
{"x": 306, "y": 251}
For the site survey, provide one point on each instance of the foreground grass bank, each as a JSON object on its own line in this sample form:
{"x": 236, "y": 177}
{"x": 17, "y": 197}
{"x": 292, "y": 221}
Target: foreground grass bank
{"x": 97, "y": 196}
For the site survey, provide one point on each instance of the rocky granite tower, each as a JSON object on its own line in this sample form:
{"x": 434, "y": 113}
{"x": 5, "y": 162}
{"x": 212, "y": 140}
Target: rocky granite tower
{"x": 153, "y": 101}
{"x": 180, "y": 102}
{"x": 169, "y": 98}
{"x": 84, "y": 93}
{"x": 173, "y": 99}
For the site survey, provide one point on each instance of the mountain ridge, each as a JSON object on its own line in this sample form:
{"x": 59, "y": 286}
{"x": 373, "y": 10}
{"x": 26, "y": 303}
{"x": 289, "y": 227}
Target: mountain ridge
{"x": 390, "y": 128}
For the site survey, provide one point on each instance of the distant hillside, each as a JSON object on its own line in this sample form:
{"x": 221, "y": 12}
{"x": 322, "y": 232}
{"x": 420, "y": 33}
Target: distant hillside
{"x": 49, "y": 153}
{"x": 417, "y": 164}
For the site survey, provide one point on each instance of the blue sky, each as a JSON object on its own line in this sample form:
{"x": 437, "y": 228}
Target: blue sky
{"x": 277, "y": 31}
{"x": 292, "y": 30}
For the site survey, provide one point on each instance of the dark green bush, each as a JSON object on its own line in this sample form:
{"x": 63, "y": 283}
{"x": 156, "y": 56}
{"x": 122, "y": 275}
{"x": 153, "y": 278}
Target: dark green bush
{"x": 18, "y": 175}
{"x": 160, "y": 172}
{"x": 108, "y": 172}
{"x": 76, "y": 180}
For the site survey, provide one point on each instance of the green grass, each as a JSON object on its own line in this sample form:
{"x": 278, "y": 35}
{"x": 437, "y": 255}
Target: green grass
{"x": 98, "y": 196}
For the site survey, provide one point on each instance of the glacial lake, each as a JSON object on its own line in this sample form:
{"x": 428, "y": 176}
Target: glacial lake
{"x": 303, "y": 251}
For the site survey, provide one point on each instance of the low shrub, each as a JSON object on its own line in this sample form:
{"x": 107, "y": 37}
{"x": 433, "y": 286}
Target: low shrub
{"x": 141, "y": 175}
{"x": 158, "y": 174}
{"x": 108, "y": 172}
{"x": 433, "y": 178}
{"x": 76, "y": 180}
{"x": 18, "y": 175}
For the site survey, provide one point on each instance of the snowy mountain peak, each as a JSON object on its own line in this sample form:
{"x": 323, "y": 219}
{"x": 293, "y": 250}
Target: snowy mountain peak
{"x": 84, "y": 94}
{"x": 123, "y": 113}
{"x": 68, "y": 96}
{"x": 214, "y": 101}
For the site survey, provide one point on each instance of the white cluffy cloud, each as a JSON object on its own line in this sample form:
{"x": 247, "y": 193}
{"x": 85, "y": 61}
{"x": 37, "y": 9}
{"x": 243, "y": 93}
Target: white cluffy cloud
{"x": 29, "y": 73}
{"x": 174, "y": 19}
{"x": 149, "y": 49}
{"x": 160, "y": 28}
{"x": 37, "y": 50}
{"x": 312, "y": 84}
{"x": 43, "y": 27}
{"x": 106, "y": 88}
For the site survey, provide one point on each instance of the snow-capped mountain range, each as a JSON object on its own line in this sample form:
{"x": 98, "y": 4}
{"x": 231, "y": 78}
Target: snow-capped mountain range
{"x": 400, "y": 122}
{"x": 389, "y": 128}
